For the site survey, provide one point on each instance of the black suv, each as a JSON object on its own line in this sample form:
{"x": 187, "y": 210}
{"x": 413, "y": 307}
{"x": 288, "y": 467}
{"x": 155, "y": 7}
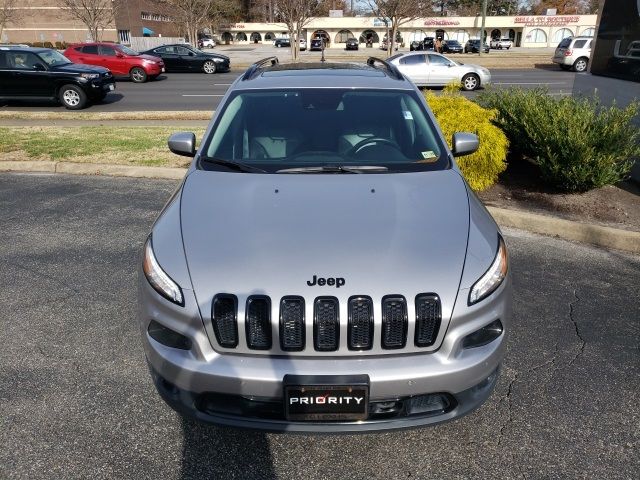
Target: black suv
{"x": 29, "y": 73}
{"x": 426, "y": 44}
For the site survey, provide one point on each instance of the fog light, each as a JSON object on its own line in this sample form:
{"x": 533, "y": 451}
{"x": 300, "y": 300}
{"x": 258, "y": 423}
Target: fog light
{"x": 486, "y": 334}
{"x": 168, "y": 337}
{"x": 433, "y": 403}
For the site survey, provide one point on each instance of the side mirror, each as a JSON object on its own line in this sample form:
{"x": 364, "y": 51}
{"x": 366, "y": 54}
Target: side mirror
{"x": 464, "y": 144}
{"x": 183, "y": 143}
{"x": 38, "y": 67}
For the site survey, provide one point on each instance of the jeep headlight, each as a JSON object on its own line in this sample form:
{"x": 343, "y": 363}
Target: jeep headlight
{"x": 159, "y": 280}
{"x": 493, "y": 277}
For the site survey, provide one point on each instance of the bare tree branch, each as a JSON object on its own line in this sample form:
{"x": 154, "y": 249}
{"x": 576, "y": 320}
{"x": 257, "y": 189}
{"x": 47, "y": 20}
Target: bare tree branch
{"x": 8, "y": 13}
{"x": 95, "y": 14}
{"x": 295, "y": 14}
{"x": 396, "y": 13}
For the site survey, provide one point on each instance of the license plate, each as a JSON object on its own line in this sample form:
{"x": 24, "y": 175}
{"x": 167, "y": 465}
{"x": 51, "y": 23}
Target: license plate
{"x": 326, "y": 402}
{"x": 112, "y": 87}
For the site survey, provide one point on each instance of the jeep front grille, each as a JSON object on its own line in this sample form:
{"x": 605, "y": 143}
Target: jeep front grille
{"x": 428, "y": 318}
{"x": 394, "y": 322}
{"x": 258, "y": 323}
{"x": 223, "y": 316}
{"x": 360, "y": 323}
{"x": 292, "y": 324}
{"x": 397, "y": 325}
{"x": 326, "y": 324}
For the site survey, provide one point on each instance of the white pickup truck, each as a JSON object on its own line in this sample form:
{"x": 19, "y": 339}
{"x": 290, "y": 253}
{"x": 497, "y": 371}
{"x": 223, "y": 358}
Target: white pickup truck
{"x": 501, "y": 43}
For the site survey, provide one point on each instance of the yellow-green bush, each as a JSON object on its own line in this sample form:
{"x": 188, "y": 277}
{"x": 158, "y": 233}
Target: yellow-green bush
{"x": 457, "y": 114}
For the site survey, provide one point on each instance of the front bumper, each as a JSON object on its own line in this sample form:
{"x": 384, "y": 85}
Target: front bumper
{"x": 183, "y": 377}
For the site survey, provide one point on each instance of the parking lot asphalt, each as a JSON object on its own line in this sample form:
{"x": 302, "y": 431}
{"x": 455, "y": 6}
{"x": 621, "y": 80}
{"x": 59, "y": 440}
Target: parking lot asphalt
{"x": 76, "y": 400}
{"x": 198, "y": 91}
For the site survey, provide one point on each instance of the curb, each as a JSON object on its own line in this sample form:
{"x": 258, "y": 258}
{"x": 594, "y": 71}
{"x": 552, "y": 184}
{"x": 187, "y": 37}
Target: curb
{"x": 93, "y": 169}
{"x": 598, "y": 235}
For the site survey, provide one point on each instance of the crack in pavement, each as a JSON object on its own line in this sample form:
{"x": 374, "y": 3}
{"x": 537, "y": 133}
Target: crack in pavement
{"x": 583, "y": 343}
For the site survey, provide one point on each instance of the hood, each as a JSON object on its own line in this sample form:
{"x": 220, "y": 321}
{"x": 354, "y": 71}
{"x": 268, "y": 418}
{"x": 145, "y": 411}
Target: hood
{"x": 146, "y": 56}
{"x": 79, "y": 68}
{"x": 250, "y": 234}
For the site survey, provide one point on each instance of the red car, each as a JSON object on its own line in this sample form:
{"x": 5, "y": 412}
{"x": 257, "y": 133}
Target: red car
{"x": 121, "y": 60}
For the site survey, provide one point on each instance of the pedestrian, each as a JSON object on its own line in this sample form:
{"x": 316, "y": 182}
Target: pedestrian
{"x": 438, "y": 45}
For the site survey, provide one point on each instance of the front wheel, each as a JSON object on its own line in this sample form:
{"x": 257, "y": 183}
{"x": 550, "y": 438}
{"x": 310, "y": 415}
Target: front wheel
{"x": 138, "y": 75}
{"x": 470, "y": 82}
{"x": 209, "y": 66}
{"x": 72, "y": 97}
{"x": 581, "y": 64}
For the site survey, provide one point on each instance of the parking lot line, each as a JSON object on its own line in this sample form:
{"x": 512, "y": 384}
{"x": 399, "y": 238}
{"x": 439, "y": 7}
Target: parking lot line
{"x": 530, "y": 83}
{"x": 203, "y": 95}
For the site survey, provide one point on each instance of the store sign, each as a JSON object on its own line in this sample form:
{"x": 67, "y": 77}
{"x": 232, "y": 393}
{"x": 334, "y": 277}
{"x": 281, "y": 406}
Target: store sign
{"x": 547, "y": 20}
{"x": 439, "y": 23}
{"x": 233, "y": 26}
{"x": 381, "y": 22}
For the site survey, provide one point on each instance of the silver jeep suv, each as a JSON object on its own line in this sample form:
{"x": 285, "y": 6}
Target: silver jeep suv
{"x": 328, "y": 271}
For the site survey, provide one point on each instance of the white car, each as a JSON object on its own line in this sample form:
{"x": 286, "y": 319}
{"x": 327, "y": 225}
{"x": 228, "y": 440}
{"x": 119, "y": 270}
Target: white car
{"x": 207, "y": 43}
{"x": 500, "y": 43}
{"x": 430, "y": 69}
{"x": 573, "y": 53}
{"x": 303, "y": 44}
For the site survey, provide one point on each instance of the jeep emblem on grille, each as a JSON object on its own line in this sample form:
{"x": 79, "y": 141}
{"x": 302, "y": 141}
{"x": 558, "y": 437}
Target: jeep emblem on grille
{"x": 331, "y": 281}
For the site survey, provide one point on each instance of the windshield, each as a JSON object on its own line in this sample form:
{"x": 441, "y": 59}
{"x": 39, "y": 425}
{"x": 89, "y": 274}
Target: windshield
{"x": 53, "y": 58}
{"x": 128, "y": 51}
{"x": 283, "y": 129}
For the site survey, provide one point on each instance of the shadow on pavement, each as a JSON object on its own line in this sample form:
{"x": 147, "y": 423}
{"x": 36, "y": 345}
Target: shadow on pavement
{"x": 215, "y": 452}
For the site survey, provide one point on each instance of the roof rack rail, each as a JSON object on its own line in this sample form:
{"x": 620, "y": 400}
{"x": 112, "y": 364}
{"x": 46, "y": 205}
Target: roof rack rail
{"x": 253, "y": 69}
{"x": 371, "y": 61}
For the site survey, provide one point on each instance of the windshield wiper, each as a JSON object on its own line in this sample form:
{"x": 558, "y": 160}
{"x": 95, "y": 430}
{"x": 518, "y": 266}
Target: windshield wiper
{"x": 335, "y": 169}
{"x": 237, "y": 166}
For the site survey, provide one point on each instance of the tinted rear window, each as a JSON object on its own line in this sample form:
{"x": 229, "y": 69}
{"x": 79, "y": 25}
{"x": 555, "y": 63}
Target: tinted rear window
{"x": 565, "y": 43}
{"x": 579, "y": 44}
{"x": 90, "y": 49}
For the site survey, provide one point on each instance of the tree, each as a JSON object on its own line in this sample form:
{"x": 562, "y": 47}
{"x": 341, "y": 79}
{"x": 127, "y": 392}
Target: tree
{"x": 190, "y": 15}
{"x": 8, "y": 14}
{"x": 323, "y": 7}
{"x": 396, "y": 13}
{"x": 563, "y": 7}
{"x": 295, "y": 14}
{"x": 95, "y": 14}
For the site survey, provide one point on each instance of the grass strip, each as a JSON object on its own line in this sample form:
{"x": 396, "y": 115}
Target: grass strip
{"x": 97, "y": 116}
{"x": 141, "y": 146}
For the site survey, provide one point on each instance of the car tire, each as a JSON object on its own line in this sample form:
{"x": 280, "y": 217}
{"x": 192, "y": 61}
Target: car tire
{"x": 209, "y": 67}
{"x": 278, "y": 45}
{"x": 580, "y": 65}
{"x": 470, "y": 82}
{"x": 138, "y": 75}
{"x": 72, "y": 97}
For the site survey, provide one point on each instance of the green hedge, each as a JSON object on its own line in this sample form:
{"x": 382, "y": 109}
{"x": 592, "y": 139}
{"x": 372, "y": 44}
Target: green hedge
{"x": 457, "y": 114}
{"x": 577, "y": 143}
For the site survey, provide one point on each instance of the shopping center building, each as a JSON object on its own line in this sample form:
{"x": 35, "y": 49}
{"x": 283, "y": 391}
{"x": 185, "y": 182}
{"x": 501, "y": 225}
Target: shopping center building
{"x": 525, "y": 31}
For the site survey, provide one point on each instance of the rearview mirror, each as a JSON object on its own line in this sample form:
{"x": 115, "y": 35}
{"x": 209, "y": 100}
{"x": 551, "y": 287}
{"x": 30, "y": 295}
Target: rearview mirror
{"x": 464, "y": 144}
{"x": 183, "y": 143}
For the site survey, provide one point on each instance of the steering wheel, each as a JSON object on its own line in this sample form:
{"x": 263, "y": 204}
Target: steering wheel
{"x": 371, "y": 141}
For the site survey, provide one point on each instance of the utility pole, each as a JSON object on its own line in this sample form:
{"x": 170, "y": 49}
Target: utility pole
{"x": 484, "y": 17}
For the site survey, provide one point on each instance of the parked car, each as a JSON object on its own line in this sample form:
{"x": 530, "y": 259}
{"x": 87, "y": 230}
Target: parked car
{"x": 250, "y": 319}
{"x": 303, "y": 44}
{"x": 282, "y": 42}
{"x": 426, "y": 44}
{"x": 627, "y": 64}
{"x": 473, "y": 46}
{"x": 317, "y": 44}
{"x": 573, "y": 53}
{"x": 431, "y": 69}
{"x": 207, "y": 42}
{"x": 121, "y": 60}
{"x": 451, "y": 46}
{"x": 384, "y": 45}
{"x": 352, "y": 44}
{"x": 185, "y": 58}
{"x": 31, "y": 73}
{"x": 500, "y": 43}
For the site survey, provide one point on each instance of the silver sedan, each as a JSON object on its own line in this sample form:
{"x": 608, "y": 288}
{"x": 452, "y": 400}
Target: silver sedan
{"x": 430, "y": 69}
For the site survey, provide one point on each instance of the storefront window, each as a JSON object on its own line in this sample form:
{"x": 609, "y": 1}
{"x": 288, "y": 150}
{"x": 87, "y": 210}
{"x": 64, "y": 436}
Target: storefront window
{"x": 537, "y": 35}
{"x": 562, "y": 34}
